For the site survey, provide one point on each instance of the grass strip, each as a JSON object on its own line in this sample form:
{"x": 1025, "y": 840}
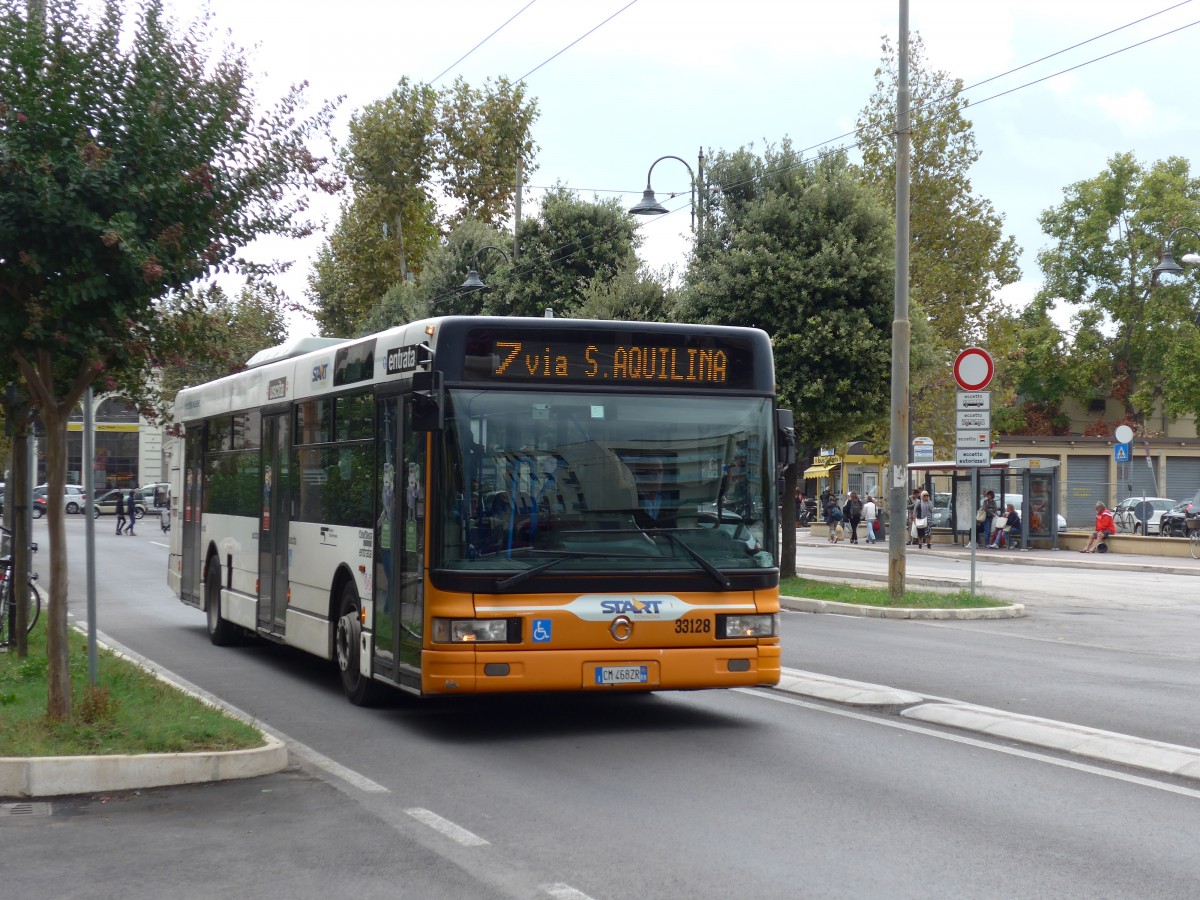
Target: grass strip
{"x": 128, "y": 711}
{"x": 871, "y": 596}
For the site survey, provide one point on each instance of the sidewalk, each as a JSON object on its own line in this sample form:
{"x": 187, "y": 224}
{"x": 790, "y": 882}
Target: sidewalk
{"x": 1062, "y": 558}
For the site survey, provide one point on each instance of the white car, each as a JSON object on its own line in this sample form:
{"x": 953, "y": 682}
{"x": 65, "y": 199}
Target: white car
{"x": 1141, "y": 514}
{"x": 1016, "y": 501}
{"x": 73, "y": 496}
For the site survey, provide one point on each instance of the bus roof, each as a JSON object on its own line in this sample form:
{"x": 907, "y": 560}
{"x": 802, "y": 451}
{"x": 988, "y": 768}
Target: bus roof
{"x": 498, "y": 350}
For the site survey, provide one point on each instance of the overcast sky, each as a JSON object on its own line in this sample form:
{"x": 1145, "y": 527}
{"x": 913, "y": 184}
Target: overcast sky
{"x": 672, "y": 76}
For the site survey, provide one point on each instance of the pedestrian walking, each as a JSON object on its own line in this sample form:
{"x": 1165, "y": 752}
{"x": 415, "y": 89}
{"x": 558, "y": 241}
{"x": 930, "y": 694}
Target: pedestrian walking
{"x": 870, "y": 512}
{"x": 833, "y": 518}
{"x": 130, "y": 512}
{"x": 853, "y": 515}
{"x": 912, "y": 502}
{"x": 120, "y": 513}
{"x": 984, "y": 517}
{"x": 922, "y": 526}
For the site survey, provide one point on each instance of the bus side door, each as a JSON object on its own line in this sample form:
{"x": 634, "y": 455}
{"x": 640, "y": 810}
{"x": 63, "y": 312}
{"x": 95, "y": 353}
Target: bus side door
{"x": 399, "y": 552}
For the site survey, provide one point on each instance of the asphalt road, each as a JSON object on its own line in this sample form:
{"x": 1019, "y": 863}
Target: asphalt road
{"x": 711, "y": 794}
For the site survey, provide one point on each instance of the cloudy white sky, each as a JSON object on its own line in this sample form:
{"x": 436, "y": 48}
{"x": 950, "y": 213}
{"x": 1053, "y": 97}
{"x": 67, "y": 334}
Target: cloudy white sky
{"x": 669, "y": 77}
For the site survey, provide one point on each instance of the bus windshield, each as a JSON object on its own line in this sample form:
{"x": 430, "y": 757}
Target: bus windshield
{"x": 619, "y": 482}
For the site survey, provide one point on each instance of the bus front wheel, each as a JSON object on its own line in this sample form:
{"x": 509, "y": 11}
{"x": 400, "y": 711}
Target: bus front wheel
{"x": 360, "y": 690}
{"x": 221, "y": 632}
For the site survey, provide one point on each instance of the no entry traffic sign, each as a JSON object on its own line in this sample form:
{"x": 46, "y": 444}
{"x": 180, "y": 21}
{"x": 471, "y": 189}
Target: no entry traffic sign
{"x": 973, "y": 369}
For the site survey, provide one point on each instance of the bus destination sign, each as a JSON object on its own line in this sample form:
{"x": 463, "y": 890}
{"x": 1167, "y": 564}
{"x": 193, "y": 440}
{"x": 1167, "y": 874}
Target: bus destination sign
{"x": 658, "y": 358}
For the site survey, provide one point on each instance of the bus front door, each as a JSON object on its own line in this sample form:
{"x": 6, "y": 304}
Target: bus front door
{"x": 192, "y": 501}
{"x": 273, "y": 523}
{"x": 399, "y": 543}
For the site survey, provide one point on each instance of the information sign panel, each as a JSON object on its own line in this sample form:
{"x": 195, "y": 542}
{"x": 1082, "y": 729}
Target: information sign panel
{"x": 973, "y": 419}
{"x": 974, "y": 438}
{"x": 973, "y": 400}
{"x": 980, "y": 456}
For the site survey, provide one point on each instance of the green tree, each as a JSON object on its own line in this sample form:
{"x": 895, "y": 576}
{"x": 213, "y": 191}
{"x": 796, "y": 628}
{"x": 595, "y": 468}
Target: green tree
{"x": 959, "y": 256}
{"x": 209, "y": 335}
{"x": 1130, "y": 334}
{"x": 130, "y": 165}
{"x": 569, "y": 247}
{"x": 420, "y": 161}
{"x": 804, "y": 251}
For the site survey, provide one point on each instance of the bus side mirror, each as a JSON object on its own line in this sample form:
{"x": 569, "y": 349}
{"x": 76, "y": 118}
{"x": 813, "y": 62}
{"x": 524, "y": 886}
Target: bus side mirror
{"x": 427, "y": 401}
{"x": 785, "y": 439}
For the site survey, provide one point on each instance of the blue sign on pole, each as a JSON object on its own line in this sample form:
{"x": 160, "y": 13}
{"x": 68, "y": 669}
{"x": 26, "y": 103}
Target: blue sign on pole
{"x": 1121, "y": 452}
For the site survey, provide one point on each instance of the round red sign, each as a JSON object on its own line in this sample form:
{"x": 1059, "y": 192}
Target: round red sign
{"x": 973, "y": 369}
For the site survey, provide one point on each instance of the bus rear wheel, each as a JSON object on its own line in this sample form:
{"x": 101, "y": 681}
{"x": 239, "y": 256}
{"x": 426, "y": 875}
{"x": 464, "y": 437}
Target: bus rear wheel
{"x": 347, "y": 643}
{"x": 221, "y": 632}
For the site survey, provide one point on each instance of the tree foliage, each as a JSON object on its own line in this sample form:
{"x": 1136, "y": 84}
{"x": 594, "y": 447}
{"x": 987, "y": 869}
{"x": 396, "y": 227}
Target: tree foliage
{"x": 959, "y": 256}
{"x": 211, "y": 335}
{"x": 802, "y": 250}
{"x": 570, "y": 246}
{"x": 419, "y": 162}
{"x": 130, "y": 165}
{"x": 1130, "y": 340}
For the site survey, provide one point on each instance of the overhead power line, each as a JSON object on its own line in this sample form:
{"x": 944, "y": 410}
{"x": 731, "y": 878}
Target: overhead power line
{"x": 576, "y": 41}
{"x": 439, "y": 75}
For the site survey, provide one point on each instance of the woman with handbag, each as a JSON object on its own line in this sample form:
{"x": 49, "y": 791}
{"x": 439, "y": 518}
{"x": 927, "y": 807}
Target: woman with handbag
{"x": 984, "y": 518}
{"x": 922, "y": 526}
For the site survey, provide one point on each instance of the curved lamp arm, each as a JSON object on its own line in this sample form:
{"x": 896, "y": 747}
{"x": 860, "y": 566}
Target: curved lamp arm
{"x": 649, "y": 205}
{"x": 474, "y": 282}
{"x": 1168, "y": 266}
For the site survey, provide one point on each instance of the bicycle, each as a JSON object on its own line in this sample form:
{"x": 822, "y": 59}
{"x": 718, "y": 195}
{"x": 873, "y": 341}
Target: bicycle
{"x": 1193, "y": 536}
{"x": 8, "y": 606}
{"x": 1126, "y": 522}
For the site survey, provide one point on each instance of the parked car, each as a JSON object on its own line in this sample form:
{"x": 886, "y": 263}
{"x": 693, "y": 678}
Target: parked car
{"x": 155, "y": 494}
{"x": 39, "y": 507}
{"x": 106, "y": 503}
{"x": 1173, "y": 523}
{"x": 1017, "y": 500}
{"x": 1142, "y": 513}
{"x": 1181, "y": 518}
{"x": 73, "y": 496}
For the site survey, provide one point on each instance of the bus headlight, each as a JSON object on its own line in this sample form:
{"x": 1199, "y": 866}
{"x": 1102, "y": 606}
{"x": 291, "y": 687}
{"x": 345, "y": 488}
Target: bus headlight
{"x": 748, "y": 626}
{"x": 476, "y": 631}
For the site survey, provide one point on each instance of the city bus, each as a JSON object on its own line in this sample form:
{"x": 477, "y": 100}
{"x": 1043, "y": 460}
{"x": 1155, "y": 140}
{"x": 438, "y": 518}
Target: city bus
{"x": 492, "y": 504}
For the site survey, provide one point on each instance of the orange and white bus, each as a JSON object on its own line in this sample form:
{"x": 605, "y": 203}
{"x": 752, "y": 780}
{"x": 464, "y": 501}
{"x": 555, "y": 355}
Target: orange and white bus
{"x": 470, "y": 504}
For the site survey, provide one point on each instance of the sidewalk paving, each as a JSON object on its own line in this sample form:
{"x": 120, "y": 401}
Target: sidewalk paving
{"x": 1067, "y": 559}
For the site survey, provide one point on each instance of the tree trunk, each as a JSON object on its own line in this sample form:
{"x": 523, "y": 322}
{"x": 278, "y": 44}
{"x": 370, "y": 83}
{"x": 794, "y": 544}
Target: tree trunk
{"x": 58, "y": 701}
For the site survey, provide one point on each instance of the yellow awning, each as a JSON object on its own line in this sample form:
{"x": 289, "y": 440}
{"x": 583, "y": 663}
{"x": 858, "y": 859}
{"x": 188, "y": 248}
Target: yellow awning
{"x": 820, "y": 471}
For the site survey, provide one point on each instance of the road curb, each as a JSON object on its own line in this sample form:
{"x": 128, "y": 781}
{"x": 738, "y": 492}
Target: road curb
{"x": 1078, "y": 740}
{"x": 804, "y": 604}
{"x": 56, "y": 776}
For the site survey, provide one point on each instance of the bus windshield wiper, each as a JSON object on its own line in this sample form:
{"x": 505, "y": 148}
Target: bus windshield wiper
{"x": 512, "y": 581}
{"x": 717, "y": 574}
{"x": 524, "y": 575}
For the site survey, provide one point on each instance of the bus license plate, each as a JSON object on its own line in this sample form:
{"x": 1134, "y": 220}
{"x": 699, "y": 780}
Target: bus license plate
{"x": 622, "y": 674}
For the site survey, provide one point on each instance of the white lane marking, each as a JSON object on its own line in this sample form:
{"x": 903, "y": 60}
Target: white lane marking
{"x": 321, "y": 761}
{"x": 157, "y": 544}
{"x": 564, "y": 892}
{"x": 446, "y": 827}
{"x": 973, "y": 742}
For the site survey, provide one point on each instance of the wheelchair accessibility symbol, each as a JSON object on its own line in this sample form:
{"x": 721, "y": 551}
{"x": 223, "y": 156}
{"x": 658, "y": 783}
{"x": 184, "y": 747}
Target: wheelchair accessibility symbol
{"x": 541, "y": 631}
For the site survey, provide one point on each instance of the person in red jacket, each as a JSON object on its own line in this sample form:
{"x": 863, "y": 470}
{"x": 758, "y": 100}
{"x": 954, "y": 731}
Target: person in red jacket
{"x": 1104, "y": 527}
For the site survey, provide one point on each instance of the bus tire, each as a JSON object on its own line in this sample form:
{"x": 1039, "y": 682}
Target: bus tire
{"x": 221, "y": 632}
{"x": 347, "y": 641}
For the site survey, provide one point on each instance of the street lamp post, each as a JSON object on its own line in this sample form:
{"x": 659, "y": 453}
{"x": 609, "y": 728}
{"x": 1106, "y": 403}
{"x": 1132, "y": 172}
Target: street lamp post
{"x": 649, "y": 205}
{"x": 474, "y": 282}
{"x": 1168, "y": 266}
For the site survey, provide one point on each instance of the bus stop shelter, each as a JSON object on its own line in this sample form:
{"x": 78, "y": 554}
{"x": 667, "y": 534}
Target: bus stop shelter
{"x": 1030, "y": 484}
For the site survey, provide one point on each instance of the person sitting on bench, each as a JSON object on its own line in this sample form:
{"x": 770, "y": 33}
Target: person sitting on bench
{"x": 1010, "y": 531}
{"x": 1104, "y": 528}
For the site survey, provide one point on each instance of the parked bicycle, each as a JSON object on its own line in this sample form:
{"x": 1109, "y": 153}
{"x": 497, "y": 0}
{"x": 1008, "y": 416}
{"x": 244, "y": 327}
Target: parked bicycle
{"x": 8, "y": 594}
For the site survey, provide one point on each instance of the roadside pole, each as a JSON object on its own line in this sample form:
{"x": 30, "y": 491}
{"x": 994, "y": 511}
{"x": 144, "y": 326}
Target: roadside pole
{"x": 973, "y": 370}
{"x": 974, "y": 526}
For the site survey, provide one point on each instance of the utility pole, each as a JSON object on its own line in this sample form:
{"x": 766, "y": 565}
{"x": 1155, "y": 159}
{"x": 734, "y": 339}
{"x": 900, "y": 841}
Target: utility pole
{"x": 898, "y": 451}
